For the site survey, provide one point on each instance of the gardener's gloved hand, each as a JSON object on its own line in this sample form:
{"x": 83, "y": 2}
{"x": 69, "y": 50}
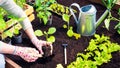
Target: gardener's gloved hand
{"x": 39, "y": 43}
{"x": 26, "y": 53}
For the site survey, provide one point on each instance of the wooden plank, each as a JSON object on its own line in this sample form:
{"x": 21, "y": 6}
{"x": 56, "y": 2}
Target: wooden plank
{"x": 31, "y": 17}
{"x": 11, "y": 64}
{"x": 29, "y": 10}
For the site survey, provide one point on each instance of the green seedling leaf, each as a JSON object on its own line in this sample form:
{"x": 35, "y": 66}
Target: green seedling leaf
{"x": 66, "y": 17}
{"x": 70, "y": 33}
{"x": 48, "y": 14}
{"x": 51, "y": 30}
{"x": 65, "y": 26}
{"x": 59, "y": 66}
{"x": 107, "y": 23}
{"x": 16, "y": 30}
{"x": 7, "y": 33}
{"x": 97, "y": 36}
{"x": 51, "y": 39}
{"x": 37, "y": 2}
{"x": 2, "y": 25}
{"x": 117, "y": 27}
{"x": 38, "y": 33}
{"x": 77, "y": 36}
{"x": 45, "y": 20}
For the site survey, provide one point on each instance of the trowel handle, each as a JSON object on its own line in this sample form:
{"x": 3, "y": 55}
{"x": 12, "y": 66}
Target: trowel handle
{"x": 72, "y": 12}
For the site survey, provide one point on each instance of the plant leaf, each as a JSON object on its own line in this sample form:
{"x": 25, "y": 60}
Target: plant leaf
{"x": 77, "y": 35}
{"x": 51, "y": 30}
{"x": 51, "y": 39}
{"x": 66, "y": 18}
{"x": 107, "y": 23}
{"x": 70, "y": 33}
{"x": 45, "y": 19}
{"x": 38, "y": 33}
{"x": 65, "y": 26}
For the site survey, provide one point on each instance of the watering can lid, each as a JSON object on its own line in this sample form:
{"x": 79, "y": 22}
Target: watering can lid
{"x": 90, "y": 9}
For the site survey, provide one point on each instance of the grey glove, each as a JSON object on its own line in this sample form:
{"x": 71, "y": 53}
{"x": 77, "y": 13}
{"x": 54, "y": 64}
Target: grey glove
{"x": 12, "y": 8}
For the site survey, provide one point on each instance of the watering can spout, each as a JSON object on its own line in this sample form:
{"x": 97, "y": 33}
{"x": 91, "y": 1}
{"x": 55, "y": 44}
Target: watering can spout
{"x": 86, "y": 21}
{"x": 99, "y": 21}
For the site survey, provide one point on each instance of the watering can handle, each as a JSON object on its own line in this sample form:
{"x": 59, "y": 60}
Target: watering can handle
{"x": 71, "y": 10}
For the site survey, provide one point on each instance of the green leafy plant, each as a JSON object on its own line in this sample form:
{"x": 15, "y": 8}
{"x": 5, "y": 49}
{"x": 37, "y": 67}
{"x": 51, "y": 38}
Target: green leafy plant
{"x": 21, "y": 3}
{"x": 47, "y": 34}
{"x": 70, "y": 32}
{"x": 98, "y": 52}
{"x": 2, "y": 12}
{"x": 109, "y": 4}
{"x": 42, "y": 9}
{"x": 4, "y": 31}
{"x": 60, "y": 9}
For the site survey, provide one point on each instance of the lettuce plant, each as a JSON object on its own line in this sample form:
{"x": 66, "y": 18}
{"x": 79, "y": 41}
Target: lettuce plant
{"x": 98, "y": 52}
{"x": 47, "y": 34}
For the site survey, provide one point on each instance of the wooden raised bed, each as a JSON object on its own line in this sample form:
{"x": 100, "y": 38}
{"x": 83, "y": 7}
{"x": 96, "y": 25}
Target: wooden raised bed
{"x": 29, "y": 12}
{"x": 11, "y": 64}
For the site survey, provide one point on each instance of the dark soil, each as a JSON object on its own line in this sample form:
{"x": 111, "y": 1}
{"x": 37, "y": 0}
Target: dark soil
{"x": 74, "y": 46}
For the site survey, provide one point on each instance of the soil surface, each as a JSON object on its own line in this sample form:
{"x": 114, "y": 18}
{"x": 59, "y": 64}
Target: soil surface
{"x": 74, "y": 46}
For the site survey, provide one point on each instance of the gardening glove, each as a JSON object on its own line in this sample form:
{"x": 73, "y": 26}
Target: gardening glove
{"x": 28, "y": 54}
{"x": 12, "y": 8}
{"x": 39, "y": 43}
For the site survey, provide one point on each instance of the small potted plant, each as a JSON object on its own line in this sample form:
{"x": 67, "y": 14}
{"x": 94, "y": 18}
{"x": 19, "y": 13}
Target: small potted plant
{"x": 17, "y": 36}
{"x": 43, "y": 10}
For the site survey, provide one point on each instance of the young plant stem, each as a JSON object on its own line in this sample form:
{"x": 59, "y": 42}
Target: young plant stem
{"x": 68, "y": 26}
{"x": 46, "y": 36}
{"x": 99, "y": 21}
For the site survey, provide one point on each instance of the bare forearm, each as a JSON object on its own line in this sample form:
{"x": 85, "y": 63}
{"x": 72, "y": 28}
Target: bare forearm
{"x": 6, "y": 48}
